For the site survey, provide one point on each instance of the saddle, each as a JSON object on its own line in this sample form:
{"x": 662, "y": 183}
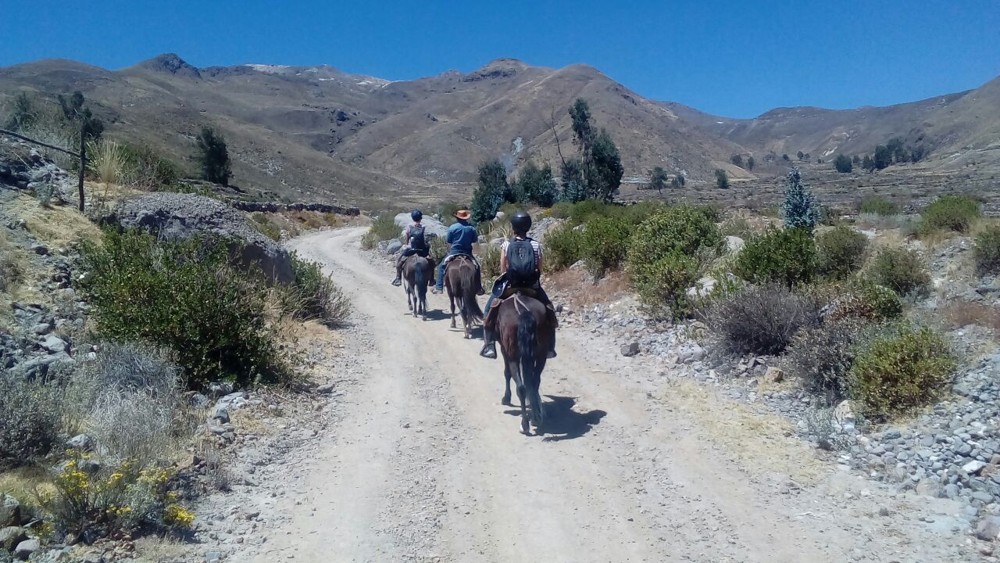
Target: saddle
{"x": 507, "y": 293}
{"x": 463, "y": 256}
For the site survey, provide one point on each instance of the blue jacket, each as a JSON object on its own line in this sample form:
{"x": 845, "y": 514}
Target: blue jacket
{"x": 461, "y": 236}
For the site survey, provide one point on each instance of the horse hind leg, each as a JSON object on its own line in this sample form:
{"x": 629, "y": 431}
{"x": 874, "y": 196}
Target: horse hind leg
{"x": 515, "y": 370}
{"x": 505, "y": 400}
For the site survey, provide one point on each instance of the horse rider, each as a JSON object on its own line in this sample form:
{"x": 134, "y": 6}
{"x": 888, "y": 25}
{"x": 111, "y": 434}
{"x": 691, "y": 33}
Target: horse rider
{"x": 461, "y": 236}
{"x": 519, "y": 269}
{"x": 415, "y": 242}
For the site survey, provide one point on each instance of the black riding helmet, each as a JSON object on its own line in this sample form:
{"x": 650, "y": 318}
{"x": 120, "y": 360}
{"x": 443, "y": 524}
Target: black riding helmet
{"x": 416, "y": 215}
{"x": 521, "y": 222}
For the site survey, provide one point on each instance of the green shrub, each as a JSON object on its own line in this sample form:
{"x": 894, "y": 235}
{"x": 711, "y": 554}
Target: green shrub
{"x": 951, "y": 212}
{"x": 186, "y": 296}
{"x": 562, "y": 209}
{"x": 900, "y": 270}
{"x": 383, "y": 228}
{"x": 604, "y": 244}
{"x": 840, "y": 252}
{"x": 439, "y": 249}
{"x": 489, "y": 262}
{"x": 662, "y": 284}
{"x": 313, "y": 295}
{"x": 562, "y": 247}
{"x": 866, "y": 300}
{"x": 30, "y": 416}
{"x": 785, "y": 256}
{"x": 265, "y": 226}
{"x": 146, "y": 169}
{"x": 900, "y": 369}
{"x": 821, "y": 358}
{"x": 878, "y": 205}
{"x": 986, "y": 252}
{"x": 667, "y": 251}
{"x": 760, "y": 319}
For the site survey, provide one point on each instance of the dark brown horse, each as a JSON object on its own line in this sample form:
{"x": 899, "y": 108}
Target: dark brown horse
{"x": 460, "y": 280}
{"x": 525, "y": 335}
{"x": 416, "y": 276}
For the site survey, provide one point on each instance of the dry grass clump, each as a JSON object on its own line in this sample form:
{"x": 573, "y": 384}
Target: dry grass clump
{"x": 760, "y": 319}
{"x": 958, "y": 314}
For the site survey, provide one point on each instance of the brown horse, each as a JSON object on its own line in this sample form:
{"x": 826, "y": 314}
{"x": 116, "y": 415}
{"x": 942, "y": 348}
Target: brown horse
{"x": 525, "y": 335}
{"x": 460, "y": 280}
{"x": 416, "y": 276}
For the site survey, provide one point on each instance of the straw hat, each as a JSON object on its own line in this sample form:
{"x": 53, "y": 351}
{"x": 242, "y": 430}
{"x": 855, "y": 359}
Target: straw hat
{"x": 463, "y": 214}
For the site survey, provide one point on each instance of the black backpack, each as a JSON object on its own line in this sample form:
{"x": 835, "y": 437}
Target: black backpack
{"x": 417, "y": 239}
{"x": 522, "y": 268}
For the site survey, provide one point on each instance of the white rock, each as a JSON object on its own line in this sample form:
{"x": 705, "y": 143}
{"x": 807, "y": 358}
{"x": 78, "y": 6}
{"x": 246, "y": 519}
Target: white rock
{"x": 973, "y": 467}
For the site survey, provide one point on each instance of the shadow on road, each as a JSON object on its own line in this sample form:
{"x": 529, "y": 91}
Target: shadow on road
{"x": 561, "y": 421}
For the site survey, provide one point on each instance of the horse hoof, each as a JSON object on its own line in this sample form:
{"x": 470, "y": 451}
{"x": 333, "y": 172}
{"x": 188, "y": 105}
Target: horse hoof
{"x": 505, "y": 401}
{"x": 524, "y": 428}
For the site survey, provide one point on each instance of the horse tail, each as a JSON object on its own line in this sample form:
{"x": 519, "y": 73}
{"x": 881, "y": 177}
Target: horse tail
{"x": 420, "y": 278}
{"x": 527, "y": 329}
{"x": 531, "y": 374}
{"x": 470, "y": 304}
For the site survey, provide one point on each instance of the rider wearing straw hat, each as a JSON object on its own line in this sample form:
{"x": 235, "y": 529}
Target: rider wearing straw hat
{"x": 461, "y": 236}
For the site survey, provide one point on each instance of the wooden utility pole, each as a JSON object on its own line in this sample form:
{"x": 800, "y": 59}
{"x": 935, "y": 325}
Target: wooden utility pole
{"x": 83, "y": 162}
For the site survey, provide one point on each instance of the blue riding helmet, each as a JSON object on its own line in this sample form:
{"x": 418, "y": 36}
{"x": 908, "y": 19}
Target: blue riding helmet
{"x": 416, "y": 215}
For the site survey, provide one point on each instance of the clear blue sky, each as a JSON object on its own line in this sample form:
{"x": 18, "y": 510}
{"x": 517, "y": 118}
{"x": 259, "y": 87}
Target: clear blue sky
{"x": 732, "y": 58}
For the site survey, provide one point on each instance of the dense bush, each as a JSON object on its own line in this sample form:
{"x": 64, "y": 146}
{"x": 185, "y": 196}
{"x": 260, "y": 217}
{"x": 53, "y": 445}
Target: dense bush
{"x": 878, "y": 205}
{"x": 604, "y": 244}
{"x": 865, "y": 300}
{"x": 840, "y": 252}
{"x": 901, "y": 270}
{"x": 562, "y": 247}
{"x": 843, "y": 164}
{"x": 760, "y": 319}
{"x": 986, "y": 252}
{"x": 313, "y": 295}
{"x": 821, "y": 358}
{"x": 186, "y": 296}
{"x": 951, "y": 212}
{"x": 666, "y": 252}
{"x": 30, "y": 416}
{"x": 147, "y": 169}
{"x": 785, "y": 256}
{"x": 900, "y": 369}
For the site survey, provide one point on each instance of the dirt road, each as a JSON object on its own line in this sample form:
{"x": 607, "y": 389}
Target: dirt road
{"x": 426, "y": 465}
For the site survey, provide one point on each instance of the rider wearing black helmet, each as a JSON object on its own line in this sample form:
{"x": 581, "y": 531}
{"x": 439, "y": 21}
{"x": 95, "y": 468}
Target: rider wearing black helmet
{"x": 518, "y": 270}
{"x": 414, "y": 242}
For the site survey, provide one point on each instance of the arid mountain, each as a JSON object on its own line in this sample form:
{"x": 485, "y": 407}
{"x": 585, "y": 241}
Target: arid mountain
{"x": 951, "y": 127}
{"x": 319, "y": 133}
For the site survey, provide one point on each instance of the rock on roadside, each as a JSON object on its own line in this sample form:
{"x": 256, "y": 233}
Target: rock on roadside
{"x": 181, "y": 216}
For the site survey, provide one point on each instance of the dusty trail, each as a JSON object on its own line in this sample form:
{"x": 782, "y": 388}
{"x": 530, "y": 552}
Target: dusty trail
{"x": 427, "y": 465}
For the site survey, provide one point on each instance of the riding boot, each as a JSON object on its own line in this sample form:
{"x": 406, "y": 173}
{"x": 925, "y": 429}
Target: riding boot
{"x": 551, "y": 314}
{"x": 399, "y": 277}
{"x": 489, "y": 345}
{"x": 479, "y": 284}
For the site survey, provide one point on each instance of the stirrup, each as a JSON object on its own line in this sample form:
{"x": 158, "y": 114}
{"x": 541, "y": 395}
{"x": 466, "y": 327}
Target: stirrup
{"x": 489, "y": 351}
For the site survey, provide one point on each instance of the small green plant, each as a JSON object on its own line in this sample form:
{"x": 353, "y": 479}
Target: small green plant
{"x": 146, "y": 169}
{"x": 821, "y": 358}
{"x": 864, "y": 300}
{"x": 604, "y": 244}
{"x": 213, "y": 155}
{"x": 952, "y": 213}
{"x": 785, "y": 256}
{"x": 840, "y": 252}
{"x": 314, "y": 295}
{"x": 736, "y": 227}
{"x": 562, "y": 247}
{"x": 30, "y": 415}
{"x": 986, "y": 252}
{"x": 106, "y": 161}
{"x": 901, "y": 270}
{"x": 721, "y": 179}
{"x": 760, "y": 319}
{"x": 901, "y": 369}
{"x": 489, "y": 261}
{"x": 266, "y": 227}
{"x": 383, "y": 228}
{"x": 878, "y": 205}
